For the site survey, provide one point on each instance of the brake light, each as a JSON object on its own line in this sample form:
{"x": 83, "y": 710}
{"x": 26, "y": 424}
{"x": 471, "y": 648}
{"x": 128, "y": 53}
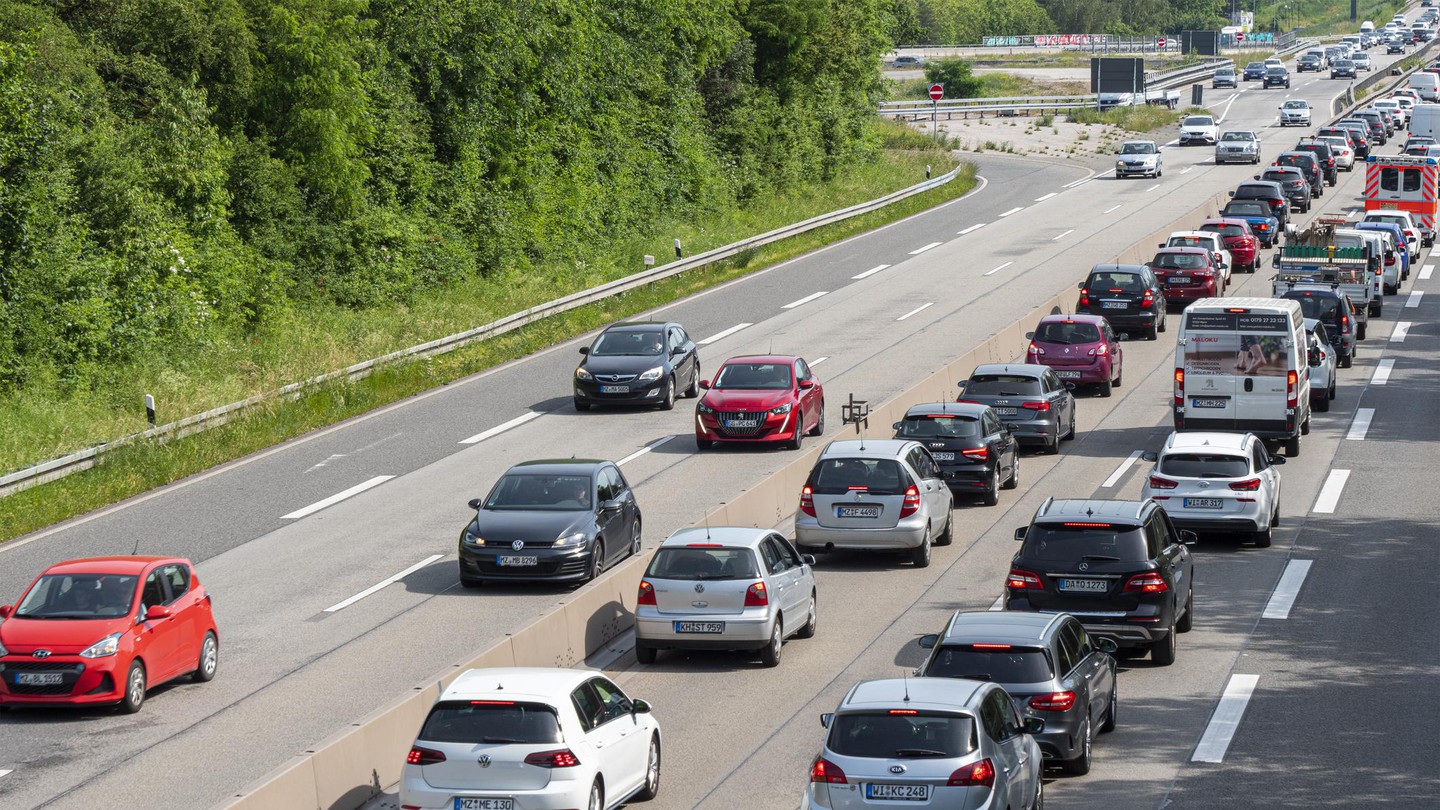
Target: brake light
{"x": 424, "y": 756}
{"x": 826, "y": 772}
{"x": 977, "y": 453}
{"x": 1248, "y": 485}
{"x": 1345, "y": 324}
{"x": 1079, "y": 525}
{"x": 1291, "y": 383}
{"x": 1084, "y": 297}
{"x": 492, "y": 703}
{"x": 1156, "y": 482}
{"x": 703, "y": 545}
{"x": 647, "y": 594}
{"x": 976, "y": 774}
{"x": 756, "y": 595}
{"x": 1146, "y": 583}
{"x": 1148, "y": 301}
{"x": 911, "y": 504}
{"x": 1263, "y": 226}
{"x": 807, "y": 501}
{"x": 1001, "y": 647}
{"x": 1036, "y": 350}
{"x": 1023, "y": 581}
{"x": 1179, "y": 387}
{"x": 559, "y": 758}
{"x": 1053, "y": 702}
{"x": 1036, "y": 405}
{"x": 906, "y": 712}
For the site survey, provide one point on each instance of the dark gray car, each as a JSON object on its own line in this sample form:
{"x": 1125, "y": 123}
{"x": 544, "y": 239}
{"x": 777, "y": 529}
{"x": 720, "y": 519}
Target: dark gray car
{"x": 1292, "y": 181}
{"x": 638, "y": 364}
{"x": 1031, "y": 400}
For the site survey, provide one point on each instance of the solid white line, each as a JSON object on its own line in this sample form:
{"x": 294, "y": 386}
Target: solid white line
{"x": 1120, "y": 471}
{"x": 1402, "y": 331}
{"x": 642, "y": 451}
{"x": 1414, "y": 299}
{"x": 1360, "y": 425}
{"x": 998, "y": 603}
{"x": 383, "y": 583}
{"x": 1426, "y": 271}
{"x": 916, "y": 311}
{"x": 1382, "y": 372}
{"x": 4, "y": 774}
{"x": 918, "y": 251}
{"x": 337, "y": 497}
{"x": 1075, "y": 183}
{"x": 970, "y": 229}
{"x": 1063, "y": 235}
{"x": 1013, "y": 211}
{"x": 1286, "y": 590}
{"x": 1111, "y": 208}
{"x": 817, "y": 361}
{"x": 1226, "y": 719}
{"x": 998, "y": 269}
{"x": 1046, "y": 197}
{"x": 872, "y": 271}
{"x": 1329, "y": 496}
{"x": 722, "y": 335}
{"x": 807, "y": 299}
{"x": 501, "y": 428}
{"x": 1187, "y": 171}
{"x": 1150, "y": 189}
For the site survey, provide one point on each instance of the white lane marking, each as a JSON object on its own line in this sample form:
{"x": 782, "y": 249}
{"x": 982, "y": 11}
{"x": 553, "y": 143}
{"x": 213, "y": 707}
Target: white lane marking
{"x": 1078, "y": 182}
{"x": 807, "y": 299}
{"x": 1414, "y": 299}
{"x": 1013, "y": 211}
{"x": 919, "y": 250}
{"x": 337, "y": 497}
{"x": 916, "y": 311}
{"x": 1286, "y": 590}
{"x": 998, "y": 603}
{"x": 1426, "y": 271}
{"x": 1175, "y": 142}
{"x": 383, "y": 583}
{"x": 998, "y": 269}
{"x": 970, "y": 229}
{"x": 1063, "y": 235}
{"x": 1187, "y": 171}
{"x": 1111, "y": 208}
{"x": 1226, "y": 719}
{"x": 872, "y": 271}
{"x": 642, "y": 451}
{"x": 1329, "y": 496}
{"x": 1221, "y": 119}
{"x": 1360, "y": 425}
{"x": 1120, "y": 471}
{"x": 817, "y": 361}
{"x": 501, "y": 428}
{"x": 722, "y": 335}
{"x": 1382, "y": 372}
{"x": 1150, "y": 189}
{"x": 6, "y": 773}
{"x": 1046, "y": 197}
{"x": 1402, "y": 331}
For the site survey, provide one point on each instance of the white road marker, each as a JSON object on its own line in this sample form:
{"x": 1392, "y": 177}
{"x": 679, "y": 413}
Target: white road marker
{"x": 919, "y": 250}
{"x": 722, "y": 335}
{"x": 916, "y": 311}
{"x": 1382, "y": 372}
{"x": 1111, "y": 208}
{"x": 1286, "y": 590}
{"x": 1063, "y": 235}
{"x": 501, "y": 428}
{"x": 807, "y": 299}
{"x": 1426, "y": 271}
{"x": 1226, "y": 719}
{"x": 971, "y": 229}
{"x": 1414, "y": 299}
{"x": 1046, "y": 197}
{"x": 1150, "y": 189}
{"x": 1013, "y": 211}
{"x": 1402, "y": 331}
{"x": 872, "y": 271}
{"x": 817, "y": 361}
{"x": 998, "y": 603}
{"x": 337, "y": 497}
{"x": 1078, "y": 182}
{"x": 1187, "y": 171}
{"x": 998, "y": 269}
{"x": 383, "y": 583}
{"x": 1360, "y": 425}
{"x": 1120, "y": 471}
{"x": 6, "y": 773}
{"x": 642, "y": 451}
{"x": 1329, "y": 496}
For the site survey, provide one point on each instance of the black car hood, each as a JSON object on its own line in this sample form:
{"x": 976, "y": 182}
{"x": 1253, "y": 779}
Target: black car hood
{"x": 509, "y": 525}
{"x": 623, "y": 363}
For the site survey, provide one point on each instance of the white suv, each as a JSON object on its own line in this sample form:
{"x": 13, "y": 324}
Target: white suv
{"x": 1217, "y": 482}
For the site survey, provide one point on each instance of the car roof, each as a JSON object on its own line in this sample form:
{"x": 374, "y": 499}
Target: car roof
{"x": 1017, "y": 369}
{"x": 1118, "y": 268}
{"x": 943, "y": 694}
{"x": 557, "y": 466}
{"x": 1076, "y": 318}
{"x": 998, "y": 625}
{"x": 1296, "y": 295}
{"x": 1268, "y": 185}
{"x": 1126, "y": 143}
{"x": 1181, "y": 249}
{"x": 973, "y": 409}
{"x": 1090, "y": 508}
{"x": 867, "y": 448}
{"x": 777, "y": 359}
{"x": 1227, "y": 221}
{"x": 1284, "y": 170}
{"x": 1203, "y": 234}
{"x": 1192, "y": 441}
{"x": 636, "y": 326}
{"x": 747, "y": 536}
{"x": 517, "y": 683}
{"x": 120, "y": 564}
{"x": 1243, "y": 303}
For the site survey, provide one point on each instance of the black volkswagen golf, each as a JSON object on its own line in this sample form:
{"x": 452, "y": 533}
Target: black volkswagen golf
{"x": 564, "y": 520}
{"x": 638, "y": 364}
{"x": 973, "y": 448}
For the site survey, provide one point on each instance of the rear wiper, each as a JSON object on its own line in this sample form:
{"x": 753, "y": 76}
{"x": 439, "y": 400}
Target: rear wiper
{"x": 1099, "y": 558}
{"x": 920, "y": 752}
{"x": 499, "y": 741}
{"x": 978, "y": 676}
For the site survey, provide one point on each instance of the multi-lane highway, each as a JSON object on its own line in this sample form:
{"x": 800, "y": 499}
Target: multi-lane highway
{"x": 1340, "y": 682}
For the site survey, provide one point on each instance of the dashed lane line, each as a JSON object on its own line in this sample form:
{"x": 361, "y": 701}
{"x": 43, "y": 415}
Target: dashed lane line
{"x": 916, "y": 310}
{"x": 872, "y": 271}
{"x": 722, "y": 335}
{"x": 502, "y": 427}
{"x": 1329, "y": 496}
{"x": 337, "y": 498}
{"x": 1286, "y": 590}
{"x": 1360, "y": 425}
{"x": 1226, "y": 719}
{"x": 922, "y": 249}
{"x": 807, "y": 299}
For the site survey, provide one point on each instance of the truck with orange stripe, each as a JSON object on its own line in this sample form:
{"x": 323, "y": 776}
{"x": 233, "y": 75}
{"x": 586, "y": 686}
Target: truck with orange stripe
{"x": 1404, "y": 183}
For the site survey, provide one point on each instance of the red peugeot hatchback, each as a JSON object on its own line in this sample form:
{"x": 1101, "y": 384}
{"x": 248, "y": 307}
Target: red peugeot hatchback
{"x": 104, "y": 630}
{"x": 760, "y": 398}
{"x": 1079, "y": 349}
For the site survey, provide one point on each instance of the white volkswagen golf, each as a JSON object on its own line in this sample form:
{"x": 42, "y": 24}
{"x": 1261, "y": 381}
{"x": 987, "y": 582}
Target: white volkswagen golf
{"x": 532, "y": 739}
{"x": 1217, "y": 482}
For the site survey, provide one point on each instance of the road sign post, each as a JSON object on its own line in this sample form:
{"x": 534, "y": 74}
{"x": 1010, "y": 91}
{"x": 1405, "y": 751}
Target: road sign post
{"x": 937, "y": 92}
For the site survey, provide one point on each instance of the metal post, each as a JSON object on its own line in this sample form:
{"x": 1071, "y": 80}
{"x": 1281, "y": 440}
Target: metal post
{"x": 934, "y": 121}
{"x": 150, "y": 410}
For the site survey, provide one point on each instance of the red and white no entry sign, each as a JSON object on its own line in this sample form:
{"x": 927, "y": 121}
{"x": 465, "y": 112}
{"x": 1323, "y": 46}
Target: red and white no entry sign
{"x": 937, "y": 92}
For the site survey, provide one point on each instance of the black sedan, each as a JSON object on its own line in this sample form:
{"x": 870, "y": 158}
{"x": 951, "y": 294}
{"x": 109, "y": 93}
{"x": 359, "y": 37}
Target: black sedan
{"x": 1276, "y": 77}
{"x": 638, "y": 364}
{"x": 973, "y": 448}
{"x": 561, "y": 520}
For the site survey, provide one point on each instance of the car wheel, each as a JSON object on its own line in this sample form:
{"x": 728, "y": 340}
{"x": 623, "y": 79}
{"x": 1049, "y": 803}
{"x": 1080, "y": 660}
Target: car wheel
{"x": 1039, "y": 803}
{"x": 1105, "y": 388}
{"x": 1118, "y": 175}
{"x": 597, "y": 797}
{"x": 209, "y": 659}
{"x": 1360, "y": 330}
{"x": 819, "y": 429}
{"x": 704, "y": 444}
{"x": 1052, "y": 447}
{"x": 1014, "y": 480}
{"x": 134, "y": 689}
{"x": 947, "y": 535}
{"x": 1162, "y": 652}
{"x": 667, "y": 402}
{"x": 635, "y": 539}
{"x": 652, "y": 773}
{"x": 1263, "y": 537}
{"x": 1080, "y": 765}
{"x": 1292, "y": 446}
{"x": 1119, "y": 377}
{"x": 1185, "y": 623}
{"x": 644, "y": 653}
{"x": 1331, "y": 394}
{"x": 1275, "y": 516}
{"x": 991, "y": 497}
{"x": 1323, "y": 403}
{"x": 798, "y": 437}
{"x": 694, "y": 390}
{"x": 770, "y": 656}
{"x": 1070, "y": 435}
{"x": 597, "y": 560}
{"x": 1113, "y": 712}
{"x": 920, "y": 555}
{"x": 582, "y": 406}
{"x": 811, "y": 621}
{"x": 1152, "y": 333}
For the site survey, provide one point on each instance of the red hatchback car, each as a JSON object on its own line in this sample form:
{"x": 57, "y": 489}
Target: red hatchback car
{"x": 1239, "y": 240}
{"x": 1079, "y": 348}
{"x": 1188, "y": 274}
{"x": 760, "y": 398}
{"x": 104, "y": 630}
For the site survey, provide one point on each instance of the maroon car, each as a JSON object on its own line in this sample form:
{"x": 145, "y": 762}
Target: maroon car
{"x": 760, "y": 398}
{"x": 1244, "y": 247}
{"x": 1078, "y": 348}
{"x": 1188, "y": 274}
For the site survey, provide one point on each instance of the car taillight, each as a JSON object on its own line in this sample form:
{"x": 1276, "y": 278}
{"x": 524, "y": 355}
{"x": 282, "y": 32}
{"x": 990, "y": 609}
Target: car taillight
{"x": 1053, "y": 702}
{"x": 1148, "y": 301}
{"x": 911, "y": 504}
{"x": 1084, "y": 297}
{"x": 559, "y": 758}
{"x": 1035, "y": 350}
{"x": 1390, "y": 259}
{"x": 976, "y": 774}
{"x": 1248, "y": 485}
{"x": 807, "y": 501}
{"x": 1263, "y": 226}
{"x": 424, "y": 756}
{"x": 976, "y": 453}
{"x": 1156, "y": 482}
{"x": 646, "y": 595}
{"x": 1039, "y": 405}
{"x": 1292, "y": 381}
{"x": 1345, "y": 324}
{"x": 1021, "y": 580}
{"x": 1179, "y": 387}
{"x": 823, "y": 770}
{"x": 1146, "y": 583}
{"x": 1100, "y": 351}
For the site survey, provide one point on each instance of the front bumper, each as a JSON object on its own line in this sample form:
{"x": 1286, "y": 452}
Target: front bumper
{"x": 1187, "y": 138}
{"x": 552, "y": 565}
{"x": 635, "y": 393}
{"x": 772, "y": 428}
{"x": 1136, "y": 168}
{"x": 84, "y": 680}
{"x": 907, "y": 534}
{"x": 1232, "y": 156}
{"x": 1294, "y": 120}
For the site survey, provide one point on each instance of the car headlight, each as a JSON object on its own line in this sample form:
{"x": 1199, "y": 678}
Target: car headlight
{"x": 1119, "y": 164}
{"x": 470, "y": 538}
{"x": 103, "y": 648}
{"x": 783, "y": 409}
{"x": 576, "y": 539}
{"x": 582, "y": 374}
{"x": 703, "y": 408}
{"x": 652, "y": 374}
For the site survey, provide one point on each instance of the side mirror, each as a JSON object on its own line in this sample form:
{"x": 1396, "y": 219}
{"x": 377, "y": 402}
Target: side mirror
{"x": 677, "y": 351}
{"x": 1034, "y": 725}
{"x": 806, "y": 385}
{"x": 157, "y": 612}
{"x": 584, "y": 349}
{"x": 1122, "y": 337}
{"x": 1020, "y": 532}
{"x": 1161, "y": 245}
{"x": 825, "y": 719}
{"x": 1231, "y": 193}
{"x": 1315, "y": 358}
{"x": 1069, "y": 386}
{"x": 1187, "y": 537}
{"x": 640, "y": 707}
{"x": 896, "y": 425}
{"x": 928, "y": 641}
{"x": 6, "y": 610}
{"x": 1150, "y": 456}
{"x": 808, "y": 559}
{"x": 1257, "y": 177}
{"x": 1029, "y": 335}
{"x": 1080, "y": 285}
{"x": 1106, "y": 645}
{"x": 475, "y": 504}
{"x": 611, "y": 506}
{"x": 705, "y": 384}
{"x": 1274, "y": 460}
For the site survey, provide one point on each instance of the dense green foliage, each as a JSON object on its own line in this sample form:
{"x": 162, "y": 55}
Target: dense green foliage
{"x": 965, "y": 22}
{"x": 174, "y": 174}
{"x": 957, "y": 77}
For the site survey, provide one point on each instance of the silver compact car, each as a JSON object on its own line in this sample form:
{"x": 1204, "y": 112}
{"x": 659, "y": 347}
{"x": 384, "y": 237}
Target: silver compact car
{"x": 1238, "y": 146}
{"x": 923, "y": 743}
{"x": 875, "y": 495}
{"x": 1217, "y": 482}
{"x": 724, "y": 588}
{"x": 1139, "y": 157}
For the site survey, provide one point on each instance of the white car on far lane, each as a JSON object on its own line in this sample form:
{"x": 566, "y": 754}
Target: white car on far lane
{"x": 1295, "y": 111}
{"x": 1217, "y": 482}
{"x": 1199, "y": 129}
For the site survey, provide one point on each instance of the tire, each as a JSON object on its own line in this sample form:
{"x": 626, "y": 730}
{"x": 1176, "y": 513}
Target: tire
{"x": 582, "y": 406}
{"x": 819, "y": 429}
{"x": 1152, "y": 333}
{"x": 1105, "y": 388}
{"x": 1392, "y": 289}
{"x": 1119, "y": 176}
{"x": 1080, "y": 765}
{"x": 597, "y": 561}
{"x": 1162, "y": 652}
{"x": 1292, "y": 447}
{"x": 1331, "y": 393}
{"x": 1346, "y": 361}
{"x": 635, "y": 540}
{"x": 1322, "y": 404}
{"x": 920, "y": 555}
{"x": 134, "y": 689}
{"x": 1263, "y": 538}
{"x": 597, "y": 797}
{"x": 1014, "y": 480}
{"x": 770, "y": 655}
{"x": 1360, "y": 330}
{"x": 1051, "y": 448}
{"x": 1070, "y": 436}
{"x": 813, "y": 619}
{"x": 1111, "y": 713}
{"x": 1039, "y": 802}
{"x": 1119, "y": 378}
{"x": 947, "y": 535}
{"x": 1186, "y": 622}
{"x": 644, "y": 653}
{"x": 209, "y": 659}
{"x": 694, "y": 390}
{"x": 991, "y": 496}
{"x": 667, "y": 402}
{"x": 652, "y": 773}
{"x": 797, "y": 439}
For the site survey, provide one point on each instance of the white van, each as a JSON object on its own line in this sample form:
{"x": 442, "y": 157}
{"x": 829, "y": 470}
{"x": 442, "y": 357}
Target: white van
{"x": 1426, "y": 84}
{"x": 1367, "y": 27}
{"x": 1241, "y": 365}
{"x": 1376, "y": 243}
{"x": 1425, "y": 120}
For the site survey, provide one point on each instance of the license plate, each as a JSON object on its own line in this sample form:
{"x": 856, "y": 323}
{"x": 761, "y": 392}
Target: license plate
{"x": 516, "y": 562}
{"x": 699, "y": 627}
{"x": 943, "y": 456}
{"x": 1068, "y": 375}
{"x": 1005, "y": 411}
{"x": 1085, "y": 585}
{"x": 39, "y": 678}
{"x": 1204, "y": 503}
{"x": 1179, "y": 280}
{"x": 742, "y": 423}
{"x": 1209, "y": 402}
{"x": 608, "y": 389}
{"x": 1114, "y": 304}
{"x": 857, "y": 511}
{"x": 904, "y": 793}
{"x": 484, "y": 804}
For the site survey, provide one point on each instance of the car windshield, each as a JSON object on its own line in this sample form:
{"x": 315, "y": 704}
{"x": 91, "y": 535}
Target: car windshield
{"x": 1002, "y": 385}
{"x": 1224, "y": 229}
{"x": 1238, "y": 136}
{"x": 683, "y": 562}
{"x": 1276, "y": 71}
{"x": 1084, "y": 541}
{"x": 903, "y": 735}
{"x": 1067, "y": 333}
{"x": 1179, "y": 261}
{"x": 1320, "y": 308}
{"x": 1116, "y": 282}
{"x": 491, "y": 722}
{"x": 1255, "y": 66}
{"x": 1134, "y": 148}
{"x": 939, "y": 426}
{"x": 1199, "y": 121}
{"x": 1010, "y": 665}
{"x": 754, "y": 376}
{"x": 1249, "y": 209}
{"x": 546, "y": 493}
{"x": 876, "y": 476}
{"x": 78, "y": 596}
{"x": 1204, "y": 465}
{"x": 1296, "y": 104}
{"x": 625, "y": 342}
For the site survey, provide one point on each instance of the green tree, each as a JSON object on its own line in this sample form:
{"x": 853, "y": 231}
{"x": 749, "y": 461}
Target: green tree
{"x": 956, "y": 75}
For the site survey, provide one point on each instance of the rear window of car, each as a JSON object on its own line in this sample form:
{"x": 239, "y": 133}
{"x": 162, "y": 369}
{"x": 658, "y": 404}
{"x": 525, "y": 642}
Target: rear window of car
{"x": 939, "y": 426}
{"x": 1247, "y": 209}
{"x": 491, "y": 722}
{"x": 1204, "y": 465}
{"x": 1082, "y": 541}
{"x": 1117, "y": 282}
{"x": 1179, "y": 261}
{"x": 1013, "y": 665}
{"x": 1224, "y": 230}
{"x": 1320, "y": 308}
{"x": 1067, "y": 334}
{"x": 1282, "y": 177}
{"x": 1000, "y": 385}
{"x": 676, "y": 562}
{"x": 878, "y": 476}
{"x": 1252, "y": 191}
{"x": 907, "y": 734}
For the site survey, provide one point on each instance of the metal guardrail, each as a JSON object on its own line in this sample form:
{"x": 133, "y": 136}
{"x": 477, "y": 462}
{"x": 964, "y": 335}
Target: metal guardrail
{"x": 87, "y": 458}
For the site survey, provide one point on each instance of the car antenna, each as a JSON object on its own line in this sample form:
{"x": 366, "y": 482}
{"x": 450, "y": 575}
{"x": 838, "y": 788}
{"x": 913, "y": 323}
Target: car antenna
{"x": 136, "y": 550}
{"x": 707, "y": 524}
{"x": 904, "y": 678}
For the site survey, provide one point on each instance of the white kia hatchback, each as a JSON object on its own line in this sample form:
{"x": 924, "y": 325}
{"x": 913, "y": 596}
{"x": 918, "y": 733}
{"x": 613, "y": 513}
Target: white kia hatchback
{"x": 1217, "y": 482}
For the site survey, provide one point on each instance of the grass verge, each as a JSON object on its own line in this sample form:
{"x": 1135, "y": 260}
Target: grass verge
{"x": 1315, "y": 18}
{"x": 1143, "y": 118}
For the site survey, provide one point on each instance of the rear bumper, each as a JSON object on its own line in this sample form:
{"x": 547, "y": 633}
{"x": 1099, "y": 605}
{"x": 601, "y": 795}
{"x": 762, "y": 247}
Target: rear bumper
{"x": 1034, "y": 432}
{"x": 742, "y": 631}
{"x": 1228, "y": 525}
{"x": 906, "y": 535}
{"x": 1262, "y": 428}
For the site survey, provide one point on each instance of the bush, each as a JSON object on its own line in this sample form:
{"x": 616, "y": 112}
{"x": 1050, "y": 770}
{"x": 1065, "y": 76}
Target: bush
{"x": 956, "y": 76}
